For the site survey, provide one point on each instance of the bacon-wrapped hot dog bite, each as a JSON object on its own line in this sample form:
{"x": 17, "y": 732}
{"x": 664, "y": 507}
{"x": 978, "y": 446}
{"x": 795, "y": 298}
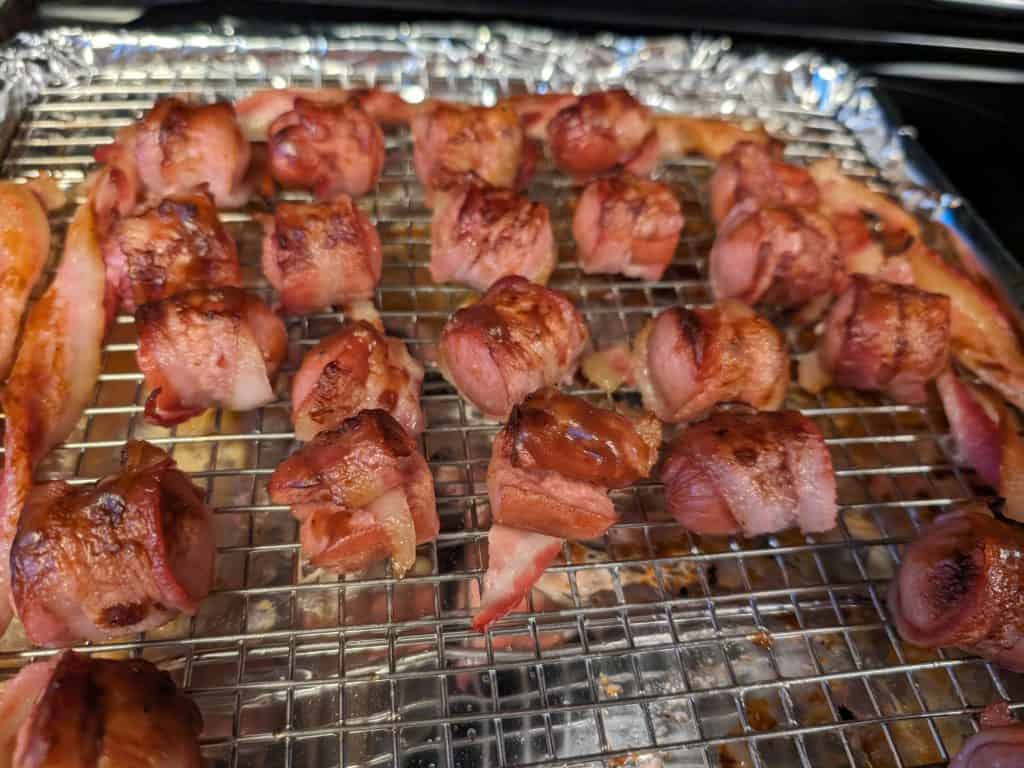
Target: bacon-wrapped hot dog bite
{"x": 1000, "y": 746}
{"x": 517, "y": 338}
{"x": 757, "y": 171}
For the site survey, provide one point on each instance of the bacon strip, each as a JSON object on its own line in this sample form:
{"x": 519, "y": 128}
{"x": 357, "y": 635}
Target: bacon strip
{"x": 680, "y": 135}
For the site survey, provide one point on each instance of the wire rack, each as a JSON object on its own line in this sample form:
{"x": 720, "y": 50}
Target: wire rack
{"x": 649, "y": 647}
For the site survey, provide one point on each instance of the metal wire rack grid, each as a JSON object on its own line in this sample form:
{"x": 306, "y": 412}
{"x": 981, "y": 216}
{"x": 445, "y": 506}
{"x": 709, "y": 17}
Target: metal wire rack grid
{"x": 650, "y": 647}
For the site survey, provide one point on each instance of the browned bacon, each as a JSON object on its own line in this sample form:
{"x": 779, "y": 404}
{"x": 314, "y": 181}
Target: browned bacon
{"x": 757, "y": 171}
{"x": 259, "y": 110}
{"x": 1000, "y": 747}
{"x": 680, "y": 135}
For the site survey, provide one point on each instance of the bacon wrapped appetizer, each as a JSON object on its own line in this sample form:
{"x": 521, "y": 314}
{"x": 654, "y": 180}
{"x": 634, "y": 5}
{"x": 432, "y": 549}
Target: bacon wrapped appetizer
{"x": 756, "y": 171}
{"x": 1000, "y": 747}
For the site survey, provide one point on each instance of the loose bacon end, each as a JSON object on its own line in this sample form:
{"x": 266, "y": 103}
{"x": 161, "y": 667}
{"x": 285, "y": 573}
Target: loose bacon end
{"x": 516, "y": 560}
{"x": 679, "y": 135}
{"x": 842, "y": 195}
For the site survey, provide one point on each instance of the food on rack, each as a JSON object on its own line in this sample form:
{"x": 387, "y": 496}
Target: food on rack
{"x": 686, "y": 361}
{"x": 884, "y": 337}
{"x": 784, "y": 256}
{"x": 316, "y": 255}
{"x": 756, "y": 171}
{"x": 516, "y": 560}
{"x": 626, "y": 225}
{"x": 680, "y": 135}
{"x": 479, "y": 235}
{"x": 358, "y": 367}
{"x": 24, "y": 249}
{"x": 361, "y": 493}
{"x": 54, "y": 374}
{"x": 986, "y": 436}
{"x": 208, "y": 347}
{"x": 750, "y": 473}
{"x": 994, "y": 747}
{"x": 517, "y": 338}
{"x": 535, "y": 111}
{"x": 86, "y": 712}
{"x": 123, "y": 556}
{"x": 328, "y": 148}
{"x": 177, "y": 245}
{"x": 610, "y": 367}
{"x": 555, "y": 461}
{"x": 175, "y": 148}
{"x": 603, "y": 132}
{"x": 959, "y": 585}
{"x": 457, "y": 145}
{"x": 260, "y": 109}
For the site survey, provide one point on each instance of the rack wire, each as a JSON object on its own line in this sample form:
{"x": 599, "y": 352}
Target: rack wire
{"x": 649, "y": 647}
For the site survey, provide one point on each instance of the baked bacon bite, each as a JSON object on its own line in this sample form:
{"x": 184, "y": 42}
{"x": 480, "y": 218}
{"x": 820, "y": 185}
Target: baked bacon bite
{"x": 783, "y": 256}
{"x": 458, "y": 145}
{"x": 602, "y": 132}
{"x": 329, "y": 148}
{"x": 517, "y": 338}
{"x": 122, "y": 556}
{"x": 208, "y": 347}
{"x": 175, "y": 246}
{"x": 535, "y": 111}
{"x": 686, "y": 361}
{"x": 316, "y": 255}
{"x": 553, "y": 464}
{"x": 356, "y": 368}
{"x": 626, "y": 225}
{"x": 884, "y": 337}
{"x": 361, "y": 493}
{"x": 750, "y": 473}
{"x": 175, "y": 148}
{"x": 1001, "y": 746}
{"x": 258, "y": 111}
{"x": 479, "y": 235}
{"x": 959, "y": 584}
{"x": 757, "y": 171}
{"x": 86, "y": 712}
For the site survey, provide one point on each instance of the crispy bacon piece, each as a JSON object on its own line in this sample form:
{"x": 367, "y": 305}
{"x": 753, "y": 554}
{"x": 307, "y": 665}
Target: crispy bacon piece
{"x": 175, "y": 246}
{"x": 750, "y": 473}
{"x": 553, "y": 464}
{"x": 842, "y": 195}
{"x": 24, "y": 249}
{"x": 1000, "y": 747}
{"x": 626, "y": 225}
{"x": 257, "y": 111}
{"x": 959, "y": 585}
{"x": 687, "y": 361}
{"x": 884, "y": 337}
{"x": 680, "y": 135}
{"x": 78, "y": 711}
{"x": 479, "y": 235}
{"x": 516, "y": 559}
{"x": 757, "y": 171}
{"x": 54, "y": 374}
{"x": 783, "y": 256}
{"x": 517, "y": 338}
{"x": 208, "y": 347}
{"x": 116, "y": 558}
{"x": 320, "y": 254}
{"x": 601, "y": 132}
{"x": 456, "y": 145}
{"x": 361, "y": 492}
{"x": 176, "y": 148}
{"x": 356, "y": 368}
{"x": 327, "y": 148}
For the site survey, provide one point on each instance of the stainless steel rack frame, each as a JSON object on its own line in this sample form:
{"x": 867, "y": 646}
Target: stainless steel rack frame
{"x": 651, "y": 647}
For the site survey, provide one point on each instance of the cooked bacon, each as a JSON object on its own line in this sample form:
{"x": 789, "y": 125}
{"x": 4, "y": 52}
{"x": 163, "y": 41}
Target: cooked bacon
{"x": 999, "y": 747}
{"x": 783, "y": 256}
{"x": 175, "y": 246}
{"x": 859, "y": 250}
{"x": 750, "y": 473}
{"x": 457, "y": 145}
{"x": 356, "y": 368}
{"x": 326, "y": 148}
{"x": 687, "y": 361}
{"x": 884, "y": 337}
{"x": 757, "y": 171}
{"x": 80, "y": 711}
{"x": 320, "y": 254}
{"x": 361, "y": 492}
{"x": 842, "y": 195}
{"x": 24, "y": 249}
{"x": 626, "y": 225}
{"x": 515, "y": 561}
{"x": 535, "y": 110}
{"x": 517, "y": 338}
{"x": 479, "y": 235}
{"x": 601, "y": 132}
{"x": 116, "y": 558}
{"x": 257, "y": 111}
{"x": 54, "y": 374}
{"x": 680, "y": 135}
{"x": 552, "y": 465}
{"x": 609, "y": 367}
{"x": 959, "y": 585}
{"x": 176, "y": 148}
{"x": 208, "y": 347}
